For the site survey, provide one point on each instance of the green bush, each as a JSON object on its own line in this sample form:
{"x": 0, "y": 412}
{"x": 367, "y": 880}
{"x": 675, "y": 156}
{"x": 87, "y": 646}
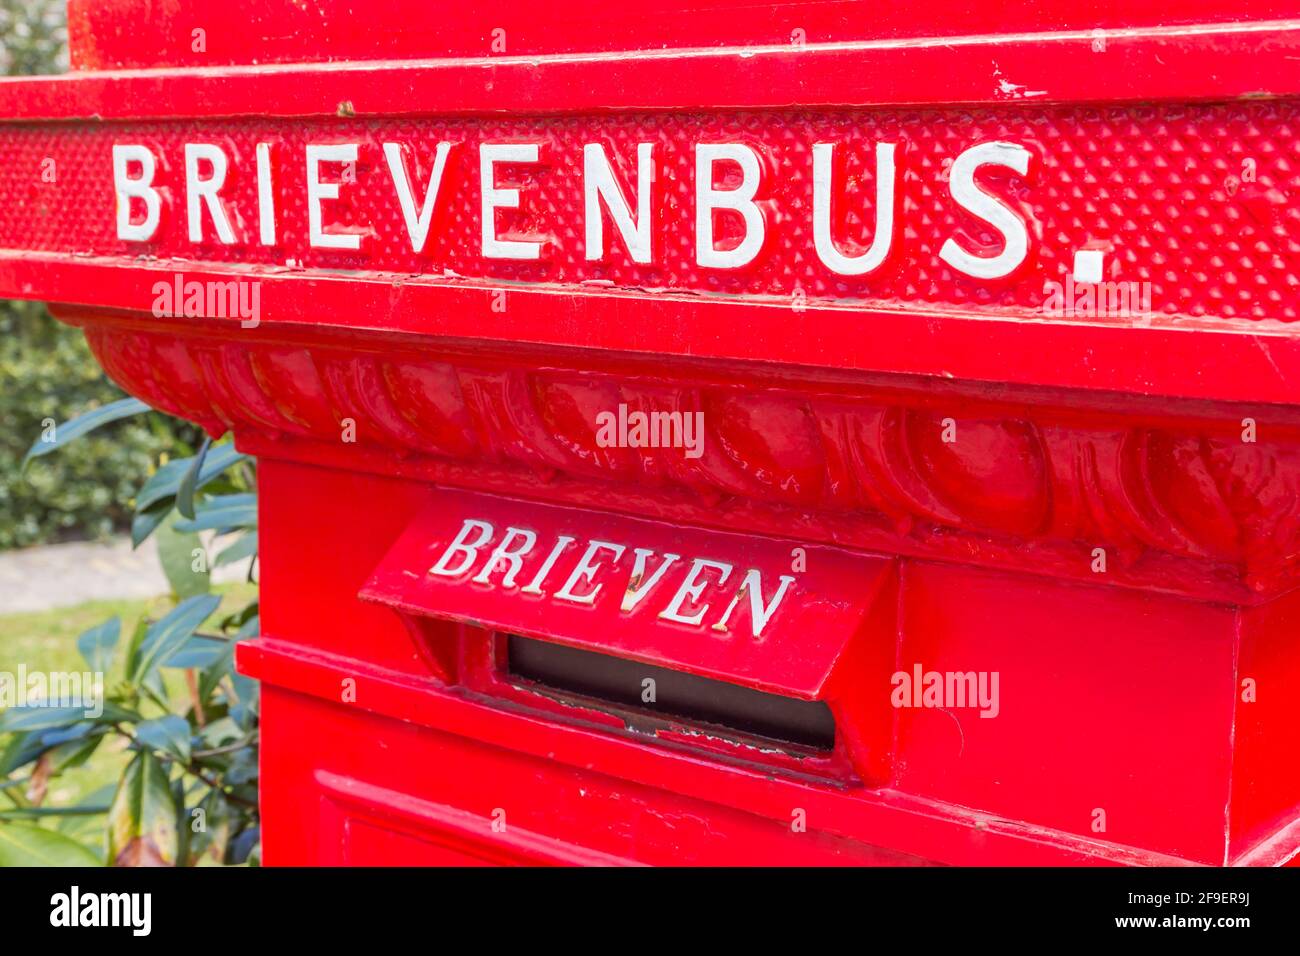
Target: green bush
{"x": 48, "y": 374}
{"x": 189, "y": 793}
{"x": 33, "y": 36}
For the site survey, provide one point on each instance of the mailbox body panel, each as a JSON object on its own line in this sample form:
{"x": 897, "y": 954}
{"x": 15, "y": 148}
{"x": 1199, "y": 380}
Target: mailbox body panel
{"x": 1112, "y": 723}
{"x": 425, "y": 797}
{"x": 1066, "y": 748}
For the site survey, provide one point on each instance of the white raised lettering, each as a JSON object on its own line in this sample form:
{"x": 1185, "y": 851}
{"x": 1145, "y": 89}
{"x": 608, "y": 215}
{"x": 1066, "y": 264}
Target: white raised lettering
{"x": 759, "y": 614}
{"x": 692, "y": 587}
{"x": 585, "y": 570}
{"x": 638, "y": 585}
{"x": 827, "y": 251}
{"x": 535, "y": 585}
{"x": 494, "y": 198}
{"x": 504, "y": 553}
{"x": 1002, "y": 218}
{"x": 417, "y": 224}
{"x": 140, "y": 187}
{"x": 200, "y": 192}
{"x": 318, "y": 191}
{"x": 740, "y": 200}
{"x": 599, "y": 185}
{"x": 463, "y": 546}
{"x": 265, "y": 196}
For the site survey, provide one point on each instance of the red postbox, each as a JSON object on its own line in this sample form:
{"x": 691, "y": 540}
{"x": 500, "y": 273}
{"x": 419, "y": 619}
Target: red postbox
{"x": 708, "y": 433}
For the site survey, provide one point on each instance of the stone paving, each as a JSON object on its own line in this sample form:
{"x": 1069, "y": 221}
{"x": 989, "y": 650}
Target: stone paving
{"x": 61, "y": 575}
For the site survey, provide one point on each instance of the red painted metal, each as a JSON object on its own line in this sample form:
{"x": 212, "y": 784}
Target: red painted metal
{"x": 1081, "y": 187}
{"x": 1098, "y": 510}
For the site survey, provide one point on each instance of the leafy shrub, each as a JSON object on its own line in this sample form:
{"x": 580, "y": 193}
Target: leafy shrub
{"x": 189, "y": 792}
{"x": 47, "y": 374}
{"x": 33, "y": 36}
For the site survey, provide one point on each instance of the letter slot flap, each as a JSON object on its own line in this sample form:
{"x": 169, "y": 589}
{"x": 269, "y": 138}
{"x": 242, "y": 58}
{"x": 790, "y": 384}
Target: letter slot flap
{"x": 774, "y": 615}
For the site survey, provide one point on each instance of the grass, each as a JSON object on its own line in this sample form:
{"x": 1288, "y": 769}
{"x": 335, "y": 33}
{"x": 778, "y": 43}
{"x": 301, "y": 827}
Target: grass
{"x": 47, "y": 641}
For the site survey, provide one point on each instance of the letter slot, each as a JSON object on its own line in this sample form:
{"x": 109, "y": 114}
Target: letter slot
{"x": 669, "y": 636}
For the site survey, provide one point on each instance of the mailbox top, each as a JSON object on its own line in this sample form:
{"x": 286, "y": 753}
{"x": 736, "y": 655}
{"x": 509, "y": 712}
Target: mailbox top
{"x": 133, "y": 34}
{"x": 399, "y": 170}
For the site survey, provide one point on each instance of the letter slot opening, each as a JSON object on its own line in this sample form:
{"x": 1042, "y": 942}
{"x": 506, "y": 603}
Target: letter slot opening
{"x": 703, "y": 700}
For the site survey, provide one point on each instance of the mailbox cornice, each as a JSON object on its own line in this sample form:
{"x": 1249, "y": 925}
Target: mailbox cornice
{"x": 1241, "y": 361}
{"x": 1200, "y": 63}
{"x": 1171, "y": 493}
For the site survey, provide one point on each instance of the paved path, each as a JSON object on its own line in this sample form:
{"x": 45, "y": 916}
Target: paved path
{"x": 60, "y": 575}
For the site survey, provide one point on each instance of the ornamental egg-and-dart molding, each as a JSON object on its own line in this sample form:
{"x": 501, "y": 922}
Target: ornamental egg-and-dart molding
{"x": 1176, "y": 499}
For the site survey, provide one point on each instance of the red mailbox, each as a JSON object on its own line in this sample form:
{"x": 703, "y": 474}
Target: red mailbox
{"x": 709, "y": 433}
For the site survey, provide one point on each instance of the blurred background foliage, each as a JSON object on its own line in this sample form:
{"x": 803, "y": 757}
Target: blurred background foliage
{"x": 47, "y": 372}
{"x": 167, "y": 772}
{"x": 33, "y": 36}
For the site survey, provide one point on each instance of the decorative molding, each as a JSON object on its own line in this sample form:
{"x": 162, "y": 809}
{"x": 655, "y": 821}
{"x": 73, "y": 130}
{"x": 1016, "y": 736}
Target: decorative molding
{"x": 1184, "y": 505}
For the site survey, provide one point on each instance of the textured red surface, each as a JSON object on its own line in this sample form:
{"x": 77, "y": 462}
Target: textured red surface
{"x": 1168, "y": 190}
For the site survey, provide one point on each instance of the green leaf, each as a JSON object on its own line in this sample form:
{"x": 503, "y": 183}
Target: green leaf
{"x": 22, "y": 749}
{"x": 244, "y": 844}
{"x": 224, "y": 511}
{"x": 137, "y": 641}
{"x": 166, "y": 481}
{"x": 245, "y": 546}
{"x": 221, "y": 732}
{"x": 98, "y": 643}
{"x": 247, "y": 690}
{"x": 214, "y": 672}
{"x": 23, "y": 844}
{"x": 243, "y": 767}
{"x": 148, "y": 521}
{"x": 45, "y": 718}
{"x": 156, "y": 688}
{"x": 61, "y": 735}
{"x": 169, "y": 633}
{"x": 37, "y": 813}
{"x": 199, "y": 651}
{"x": 189, "y": 484}
{"x": 239, "y": 619}
{"x": 39, "y": 718}
{"x": 170, "y": 734}
{"x": 74, "y": 753}
{"x": 142, "y": 820}
{"x": 82, "y": 424}
{"x": 176, "y": 555}
{"x": 154, "y": 501}
{"x": 69, "y": 746}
